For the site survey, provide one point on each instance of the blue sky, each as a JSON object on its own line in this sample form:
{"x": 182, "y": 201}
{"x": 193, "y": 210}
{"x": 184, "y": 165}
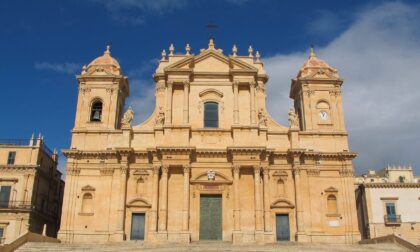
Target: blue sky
{"x": 374, "y": 44}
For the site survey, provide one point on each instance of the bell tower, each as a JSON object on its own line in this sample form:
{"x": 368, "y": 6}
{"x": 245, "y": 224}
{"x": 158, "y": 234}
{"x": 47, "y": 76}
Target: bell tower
{"x": 316, "y": 92}
{"x": 102, "y": 92}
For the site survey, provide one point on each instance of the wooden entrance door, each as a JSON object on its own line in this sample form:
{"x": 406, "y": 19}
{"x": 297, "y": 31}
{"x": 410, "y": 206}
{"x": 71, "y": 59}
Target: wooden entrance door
{"x": 210, "y": 217}
{"x": 282, "y": 227}
{"x": 137, "y": 226}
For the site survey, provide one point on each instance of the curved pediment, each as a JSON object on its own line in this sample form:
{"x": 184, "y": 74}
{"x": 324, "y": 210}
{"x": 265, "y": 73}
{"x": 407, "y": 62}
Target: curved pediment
{"x": 203, "y": 178}
{"x": 211, "y": 91}
{"x": 88, "y": 188}
{"x": 282, "y": 203}
{"x": 138, "y": 202}
{"x": 331, "y": 189}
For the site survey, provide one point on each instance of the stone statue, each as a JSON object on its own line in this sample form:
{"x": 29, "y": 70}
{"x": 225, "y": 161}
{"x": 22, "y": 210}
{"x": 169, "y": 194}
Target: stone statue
{"x": 262, "y": 118}
{"x": 160, "y": 118}
{"x": 293, "y": 119}
{"x": 128, "y": 117}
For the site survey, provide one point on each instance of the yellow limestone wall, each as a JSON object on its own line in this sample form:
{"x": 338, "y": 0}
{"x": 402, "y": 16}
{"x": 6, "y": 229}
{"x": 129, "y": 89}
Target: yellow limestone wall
{"x": 162, "y": 166}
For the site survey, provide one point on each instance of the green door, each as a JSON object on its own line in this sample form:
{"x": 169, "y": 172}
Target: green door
{"x": 210, "y": 217}
{"x": 282, "y": 227}
{"x": 137, "y": 226}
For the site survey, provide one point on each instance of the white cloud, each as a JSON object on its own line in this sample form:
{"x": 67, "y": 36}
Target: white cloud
{"x": 142, "y": 99}
{"x": 379, "y": 58}
{"x": 68, "y": 68}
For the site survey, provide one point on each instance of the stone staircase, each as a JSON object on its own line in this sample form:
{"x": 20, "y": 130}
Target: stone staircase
{"x": 204, "y": 246}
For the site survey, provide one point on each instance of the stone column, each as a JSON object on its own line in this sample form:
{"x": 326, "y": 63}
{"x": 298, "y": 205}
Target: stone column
{"x": 186, "y": 206}
{"x": 266, "y": 200}
{"x": 163, "y": 212}
{"x": 236, "y": 102}
{"x": 155, "y": 197}
{"x": 236, "y": 210}
{"x": 299, "y": 212}
{"x": 123, "y": 191}
{"x": 168, "y": 114}
{"x": 186, "y": 101}
{"x": 257, "y": 192}
{"x": 252, "y": 101}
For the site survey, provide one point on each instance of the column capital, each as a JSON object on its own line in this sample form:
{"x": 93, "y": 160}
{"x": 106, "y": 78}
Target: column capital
{"x": 257, "y": 169}
{"x": 156, "y": 169}
{"x": 236, "y": 83}
{"x": 252, "y": 84}
{"x": 265, "y": 170}
{"x": 124, "y": 169}
{"x": 187, "y": 168}
{"x": 236, "y": 168}
{"x": 296, "y": 170}
{"x": 165, "y": 168}
{"x": 170, "y": 83}
{"x": 186, "y": 83}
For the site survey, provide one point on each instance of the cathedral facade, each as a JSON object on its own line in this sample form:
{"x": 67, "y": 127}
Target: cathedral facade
{"x": 209, "y": 163}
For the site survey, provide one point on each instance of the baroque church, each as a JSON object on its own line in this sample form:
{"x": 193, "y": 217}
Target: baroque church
{"x": 209, "y": 163}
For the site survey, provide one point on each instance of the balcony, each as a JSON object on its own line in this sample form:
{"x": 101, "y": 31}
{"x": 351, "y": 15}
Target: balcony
{"x": 16, "y": 205}
{"x": 393, "y": 219}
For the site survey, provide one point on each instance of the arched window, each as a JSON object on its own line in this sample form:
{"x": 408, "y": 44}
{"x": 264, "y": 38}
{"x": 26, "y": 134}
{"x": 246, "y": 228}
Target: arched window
{"x": 211, "y": 115}
{"x": 280, "y": 187}
{"x": 332, "y": 204}
{"x": 87, "y": 203}
{"x": 96, "y": 111}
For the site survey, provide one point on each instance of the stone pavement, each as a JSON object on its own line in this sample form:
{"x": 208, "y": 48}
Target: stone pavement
{"x": 205, "y": 246}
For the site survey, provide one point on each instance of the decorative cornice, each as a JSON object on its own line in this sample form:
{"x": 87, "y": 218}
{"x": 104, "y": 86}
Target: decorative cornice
{"x": 106, "y": 171}
{"x": 313, "y": 172}
{"x": 391, "y": 185}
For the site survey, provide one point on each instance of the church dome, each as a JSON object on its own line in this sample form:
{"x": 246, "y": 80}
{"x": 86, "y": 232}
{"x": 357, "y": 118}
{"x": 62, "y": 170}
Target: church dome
{"x": 105, "y": 63}
{"x": 317, "y": 68}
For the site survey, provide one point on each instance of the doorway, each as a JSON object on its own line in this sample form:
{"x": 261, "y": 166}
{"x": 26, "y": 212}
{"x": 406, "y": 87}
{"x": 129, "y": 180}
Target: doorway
{"x": 210, "y": 217}
{"x": 137, "y": 226}
{"x": 282, "y": 227}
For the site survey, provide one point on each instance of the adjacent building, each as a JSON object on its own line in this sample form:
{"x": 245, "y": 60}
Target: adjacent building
{"x": 388, "y": 202}
{"x": 31, "y": 189}
{"x": 209, "y": 163}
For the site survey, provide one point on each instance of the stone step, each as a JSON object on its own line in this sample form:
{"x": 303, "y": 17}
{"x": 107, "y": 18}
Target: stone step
{"x": 203, "y": 246}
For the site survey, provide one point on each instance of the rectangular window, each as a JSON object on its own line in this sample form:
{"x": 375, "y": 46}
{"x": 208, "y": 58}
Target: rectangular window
{"x": 211, "y": 115}
{"x": 390, "y": 212}
{"x": 1, "y": 234}
{"x": 5, "y": 196}
{"x": 11, "y": 158}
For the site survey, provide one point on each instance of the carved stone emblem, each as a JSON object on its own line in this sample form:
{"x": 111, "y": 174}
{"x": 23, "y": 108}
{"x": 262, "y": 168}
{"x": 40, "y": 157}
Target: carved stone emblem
{"x": 211, "y": 175}
{"x": 262, "y": 118}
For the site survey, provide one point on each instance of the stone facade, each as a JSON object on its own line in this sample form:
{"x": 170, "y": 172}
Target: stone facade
{"x": 31, "y": 189}
{"x": 388, "y": 202}
{"x": 209, "y": 146}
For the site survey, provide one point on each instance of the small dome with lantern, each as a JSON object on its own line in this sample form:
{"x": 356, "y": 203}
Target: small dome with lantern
{"x": 317, "y": 68}
{"x": 103, "y": 64}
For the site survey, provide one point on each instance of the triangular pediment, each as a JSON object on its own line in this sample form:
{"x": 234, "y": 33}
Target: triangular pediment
{"x": 211, "y": 61}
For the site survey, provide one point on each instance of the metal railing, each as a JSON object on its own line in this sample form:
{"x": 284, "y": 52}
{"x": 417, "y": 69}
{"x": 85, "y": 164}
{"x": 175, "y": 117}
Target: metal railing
{"x": 16, "y": 205}
{"x": 392, "y": 219}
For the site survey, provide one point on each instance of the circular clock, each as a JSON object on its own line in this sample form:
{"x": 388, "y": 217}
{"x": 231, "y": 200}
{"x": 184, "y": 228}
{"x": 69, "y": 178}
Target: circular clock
{"x": 323, "y": 115}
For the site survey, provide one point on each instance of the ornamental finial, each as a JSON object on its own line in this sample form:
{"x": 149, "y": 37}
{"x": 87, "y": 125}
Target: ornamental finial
{"x": 211, "y": 43}
{"x": 187, "y": 49}
{"x": 163, "y": 55}
{"x": 108, "y": 49}
{"x": 312, "y": 52}
{"x": 250, "y": 51}
{"x": 171, "y": 50}
{"x": 257, "y": 56}
{"x": 234, "y": 50}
